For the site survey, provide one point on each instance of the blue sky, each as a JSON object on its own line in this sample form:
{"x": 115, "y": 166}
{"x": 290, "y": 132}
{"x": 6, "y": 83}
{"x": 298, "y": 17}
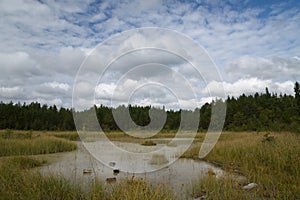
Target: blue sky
{"x": 255, "y": 44}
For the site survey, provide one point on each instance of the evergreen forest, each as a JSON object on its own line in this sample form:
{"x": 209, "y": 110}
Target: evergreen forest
{"x": 259, "y": 112}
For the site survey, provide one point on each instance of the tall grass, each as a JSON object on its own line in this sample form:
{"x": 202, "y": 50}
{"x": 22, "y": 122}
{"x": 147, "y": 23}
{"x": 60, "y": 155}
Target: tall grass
{"x": 272, "y": 161}
{"x": 10, "y": 134}
{"x": 224, "y": 188}
{"x": 274, "y": 164}
{"x": 73, "y": 136}
{"x": 39, "y": 145}
{"x": 137, "y": 190}
{"x": 19, "y": 182}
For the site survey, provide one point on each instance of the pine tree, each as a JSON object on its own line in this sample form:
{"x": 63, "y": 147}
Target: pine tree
{"x": 297, "y": 96}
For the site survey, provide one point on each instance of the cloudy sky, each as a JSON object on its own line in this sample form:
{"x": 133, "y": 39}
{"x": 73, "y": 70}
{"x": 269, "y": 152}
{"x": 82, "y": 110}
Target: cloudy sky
{"x": 254, "y": 44}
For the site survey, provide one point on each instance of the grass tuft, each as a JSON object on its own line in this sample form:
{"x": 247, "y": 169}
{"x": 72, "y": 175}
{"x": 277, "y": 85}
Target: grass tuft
{"x": 39, "y": 145}
{"x": 270, "y": 160}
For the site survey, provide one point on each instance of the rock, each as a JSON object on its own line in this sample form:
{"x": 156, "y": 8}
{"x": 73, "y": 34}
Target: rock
{"x": 116, "y": 171}
{"x": 250, "y": 186}
{"x": 203, "y": 196}
{"x": 112, "y": 164}
{"x": 111, "y": 180}
{"x": 87, "y": 171}
{"x": 200, "y": 198}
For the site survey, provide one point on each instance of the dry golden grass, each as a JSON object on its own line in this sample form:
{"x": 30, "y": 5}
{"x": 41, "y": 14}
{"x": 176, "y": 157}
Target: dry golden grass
{"x": 272, "y": 161}
{"x": 18, "y": 180}
{"x": 273, "y": 164}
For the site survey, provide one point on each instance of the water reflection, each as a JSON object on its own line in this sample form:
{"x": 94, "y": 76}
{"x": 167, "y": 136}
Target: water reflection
{"x": 80, "y": 166}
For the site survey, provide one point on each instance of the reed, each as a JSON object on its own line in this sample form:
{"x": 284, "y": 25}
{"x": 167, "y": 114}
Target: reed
{"x": 38, "y": 145}
{"x": 17, "y": 182}
{"x": 274, "y": 164}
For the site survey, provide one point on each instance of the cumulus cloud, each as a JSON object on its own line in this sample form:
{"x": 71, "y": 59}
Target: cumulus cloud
{"x": 248, "y": 86}
{"x": 17, "y": 65}
{"x": 265, "y": 68}
{"x": 43, "y": 43}
{"x": 9, "y": 93}
{"x": 56, "y": 85}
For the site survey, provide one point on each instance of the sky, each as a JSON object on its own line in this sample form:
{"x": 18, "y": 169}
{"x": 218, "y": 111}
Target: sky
{"x": 253, "y": 44}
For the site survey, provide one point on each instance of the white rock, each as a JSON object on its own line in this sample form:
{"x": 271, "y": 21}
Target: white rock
{"x": 250, "y": 186}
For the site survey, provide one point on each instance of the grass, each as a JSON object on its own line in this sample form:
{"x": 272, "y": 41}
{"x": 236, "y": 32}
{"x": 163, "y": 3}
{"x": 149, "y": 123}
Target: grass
{"x": 137, "y": 190}
{"x": 69, "y": 135}
{"x": 18, "y": 180}
{"x": 14, "y": 143}
{"x": 224, "y": 188}
{"x": 272, "y": 161}
{"x": 42, "y": 145}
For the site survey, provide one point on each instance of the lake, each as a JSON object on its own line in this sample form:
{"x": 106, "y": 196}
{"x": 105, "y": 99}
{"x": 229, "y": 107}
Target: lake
{"x": 178, "y": 174}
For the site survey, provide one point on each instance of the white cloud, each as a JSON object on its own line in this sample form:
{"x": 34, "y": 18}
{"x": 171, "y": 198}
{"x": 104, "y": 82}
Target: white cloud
{"x": 9, "y": 93}
{"x": 56, "y": 85}
{"x": 105, "y": 90}
{"x": 43, "y": 43}
{"x": 248, "y": 86}
{"x": 265, "y": 68}
{"x": 19, "y": 64}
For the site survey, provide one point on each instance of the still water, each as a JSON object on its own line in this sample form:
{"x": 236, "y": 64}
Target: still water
{"x": 82, "y": 167}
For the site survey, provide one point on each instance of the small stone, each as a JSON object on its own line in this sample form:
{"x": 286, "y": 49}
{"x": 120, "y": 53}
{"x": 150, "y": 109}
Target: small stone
{"x": 87, "y": 171}
{"x": 112, "y": 164}
{"x": 250, "y": 186}
{"x": 116, "y": 171}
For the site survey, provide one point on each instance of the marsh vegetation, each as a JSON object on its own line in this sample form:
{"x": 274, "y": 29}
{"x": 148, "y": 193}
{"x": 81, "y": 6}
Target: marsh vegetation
{"x": 270, "y": 160}
{"x": 273, "y": 164}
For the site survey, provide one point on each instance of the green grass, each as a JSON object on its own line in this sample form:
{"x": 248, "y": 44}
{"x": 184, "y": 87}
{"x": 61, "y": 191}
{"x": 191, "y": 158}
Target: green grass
{"x": 38, "y": 145}
{"x": 19, "y": 182}
{"x": 272, "y": 161}
{"x": 73, "y": 136}
{"x": 137, "y": 190}
{"x": 274, "y": 164}
{"x": 19, "y": 179}
{"x": 223, "y": 188}
{"x": 10, "y": 134}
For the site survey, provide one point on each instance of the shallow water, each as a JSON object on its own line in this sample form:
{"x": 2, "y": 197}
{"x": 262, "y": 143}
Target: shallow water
{"x": 178, "y": 175}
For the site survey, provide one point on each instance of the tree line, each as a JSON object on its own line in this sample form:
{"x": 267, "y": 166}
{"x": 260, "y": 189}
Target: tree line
{"x": 259, "y": 112}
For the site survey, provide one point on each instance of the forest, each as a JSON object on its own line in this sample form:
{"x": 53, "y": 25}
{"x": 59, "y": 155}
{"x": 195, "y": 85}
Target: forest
{"x": 259, "y": 112}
